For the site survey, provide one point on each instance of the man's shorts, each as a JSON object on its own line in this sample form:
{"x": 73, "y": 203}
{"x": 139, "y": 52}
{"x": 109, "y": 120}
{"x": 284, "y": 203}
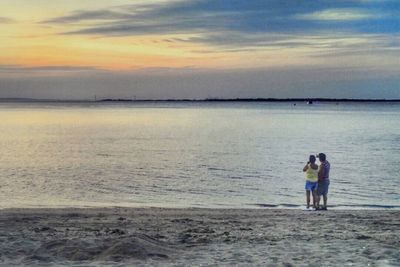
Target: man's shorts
{"x": 323, "y": 187}
{"x": 311, "y": 186}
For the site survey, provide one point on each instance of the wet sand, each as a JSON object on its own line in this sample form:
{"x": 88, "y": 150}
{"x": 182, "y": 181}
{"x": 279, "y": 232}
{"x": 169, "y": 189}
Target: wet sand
{"x": 182, "y": 237}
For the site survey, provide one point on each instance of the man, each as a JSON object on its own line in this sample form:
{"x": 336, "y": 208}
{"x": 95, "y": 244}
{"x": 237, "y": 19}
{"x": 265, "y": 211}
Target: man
{"x": 323, "y": 181}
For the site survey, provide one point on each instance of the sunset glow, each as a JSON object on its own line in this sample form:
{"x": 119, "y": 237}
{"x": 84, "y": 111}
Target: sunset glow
{"x": 39, "y": 38}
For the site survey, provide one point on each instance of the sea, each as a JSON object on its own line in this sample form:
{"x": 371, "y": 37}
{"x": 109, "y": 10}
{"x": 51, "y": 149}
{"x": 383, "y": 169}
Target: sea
{"x": 196, "y": 154}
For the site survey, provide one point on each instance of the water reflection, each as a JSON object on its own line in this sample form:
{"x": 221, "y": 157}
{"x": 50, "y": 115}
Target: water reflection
{"x": 224, "y": 155}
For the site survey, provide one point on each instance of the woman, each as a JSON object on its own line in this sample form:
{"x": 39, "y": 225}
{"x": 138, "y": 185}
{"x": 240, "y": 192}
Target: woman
{"x": 311, "y": 170}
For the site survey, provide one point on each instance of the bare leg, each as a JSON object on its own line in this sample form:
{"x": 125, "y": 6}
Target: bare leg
{"x": 317, "y": 200}
{"x": 308, "y": 198}
{"x": 315, "y": 197}
{"x": 325, "y": 200}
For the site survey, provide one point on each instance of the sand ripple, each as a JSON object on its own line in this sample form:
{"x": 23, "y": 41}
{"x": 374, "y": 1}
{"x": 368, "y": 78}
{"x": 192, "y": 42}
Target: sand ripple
{"x": 137, "y": 246}
{"x": 181, "y": 237}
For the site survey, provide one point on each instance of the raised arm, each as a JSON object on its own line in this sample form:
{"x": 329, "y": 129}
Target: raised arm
{"x": 306, "y": 167}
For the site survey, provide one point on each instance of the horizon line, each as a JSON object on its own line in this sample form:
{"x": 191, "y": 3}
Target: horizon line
{"x": 259, "y": 99}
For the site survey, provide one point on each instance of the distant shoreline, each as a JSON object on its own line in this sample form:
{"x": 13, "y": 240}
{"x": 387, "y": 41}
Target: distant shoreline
{"x": 307, "y": 100}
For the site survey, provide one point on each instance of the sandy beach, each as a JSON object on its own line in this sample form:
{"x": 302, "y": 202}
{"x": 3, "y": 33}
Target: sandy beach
{"x": 182, "y": 237}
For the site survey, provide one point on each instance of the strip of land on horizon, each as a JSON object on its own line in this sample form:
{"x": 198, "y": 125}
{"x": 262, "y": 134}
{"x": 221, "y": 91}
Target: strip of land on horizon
{"x": 202, "y": 100}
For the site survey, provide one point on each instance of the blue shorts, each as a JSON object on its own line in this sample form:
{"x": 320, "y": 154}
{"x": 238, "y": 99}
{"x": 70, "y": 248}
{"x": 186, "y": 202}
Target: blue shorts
{"x": 311, "y": 186}
{"x": 323, "y": 187}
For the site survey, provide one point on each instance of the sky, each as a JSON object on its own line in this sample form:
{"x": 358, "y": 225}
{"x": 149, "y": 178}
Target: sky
{"x": 174, "y": 49}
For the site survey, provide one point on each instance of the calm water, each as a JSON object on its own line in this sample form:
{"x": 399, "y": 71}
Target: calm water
{"x": 195, "y": 154}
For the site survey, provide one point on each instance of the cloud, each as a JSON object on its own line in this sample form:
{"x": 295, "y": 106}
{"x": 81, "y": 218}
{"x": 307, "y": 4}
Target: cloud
{"x": 203, "y": 83}
{"x": 99, "y": 15}
{"x": 226, "y": 15}
{"x": 239, "y": 25}
{"x": 6, "y": 20}
{"x": 182, "y": 17}
{"x": 339, "y": 14}
{"x": 45, "y": 70}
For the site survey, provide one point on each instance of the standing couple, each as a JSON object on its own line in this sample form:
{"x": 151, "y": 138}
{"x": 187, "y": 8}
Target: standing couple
{"x": 317, "y": 181}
